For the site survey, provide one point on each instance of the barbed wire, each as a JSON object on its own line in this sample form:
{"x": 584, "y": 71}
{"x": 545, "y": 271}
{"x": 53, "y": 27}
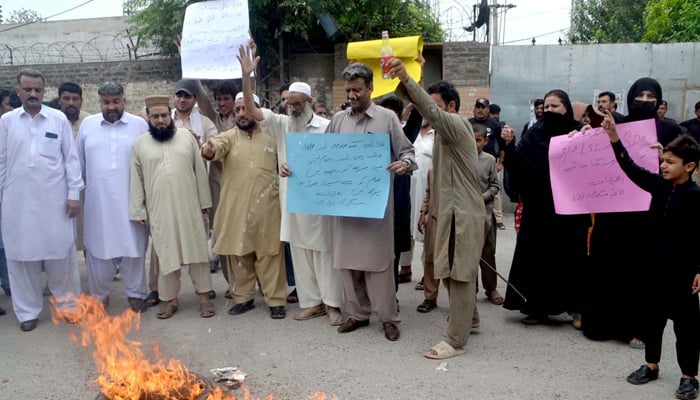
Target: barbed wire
{"x": 105, "y": 47}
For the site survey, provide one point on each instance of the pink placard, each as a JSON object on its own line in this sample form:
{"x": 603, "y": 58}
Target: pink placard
{"x": 586, "y": 178}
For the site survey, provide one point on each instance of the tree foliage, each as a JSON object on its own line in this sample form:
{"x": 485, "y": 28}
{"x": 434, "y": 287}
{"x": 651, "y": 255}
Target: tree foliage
{"x": 607, "y": 21}
{"x": 157, "y": 22}
{"x": 672, "y": 21}
{"x": 23, "y": 16}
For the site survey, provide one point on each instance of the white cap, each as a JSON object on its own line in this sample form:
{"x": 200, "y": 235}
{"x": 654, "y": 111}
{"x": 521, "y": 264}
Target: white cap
{"x": 256, "y": 99}
{"x": 300, "y": 87}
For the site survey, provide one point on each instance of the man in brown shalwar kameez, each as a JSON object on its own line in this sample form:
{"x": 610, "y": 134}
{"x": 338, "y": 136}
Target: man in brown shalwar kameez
{"x": 459, "y": 204}
{"x": 364, "y": 248}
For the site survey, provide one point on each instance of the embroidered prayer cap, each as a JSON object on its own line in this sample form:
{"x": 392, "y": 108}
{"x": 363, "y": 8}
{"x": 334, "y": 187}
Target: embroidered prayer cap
{"x": 157, "y": 100}
{"x": 256, "y": 99}
{"x": 300, "y": 87}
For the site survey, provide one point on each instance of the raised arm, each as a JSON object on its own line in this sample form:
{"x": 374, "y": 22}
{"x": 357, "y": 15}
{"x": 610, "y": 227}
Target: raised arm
{"x": 248, "y": 66}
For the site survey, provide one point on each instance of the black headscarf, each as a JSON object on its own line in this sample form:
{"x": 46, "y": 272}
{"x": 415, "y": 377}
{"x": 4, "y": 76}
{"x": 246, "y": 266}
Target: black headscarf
{"x": 666, "y": 130}
{"x": 533, "y": 147}
{"x": 639, "y": 110}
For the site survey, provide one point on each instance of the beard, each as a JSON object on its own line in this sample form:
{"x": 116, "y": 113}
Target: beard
{"x": 298, "y": 124}
{"x": 247, "y": 126}
{"x": 162, "y": 134}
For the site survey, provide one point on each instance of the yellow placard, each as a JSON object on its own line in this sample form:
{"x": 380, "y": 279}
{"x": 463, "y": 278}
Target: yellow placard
{"x": 406, "y": 48}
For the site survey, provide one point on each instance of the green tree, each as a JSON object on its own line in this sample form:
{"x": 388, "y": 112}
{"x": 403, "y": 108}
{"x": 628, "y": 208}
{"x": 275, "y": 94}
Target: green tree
{"x": 23, "y": 16}
{"x": 607, "y": 21}
{"x": 276, "y": 23}
{"x": 672, "y": 21}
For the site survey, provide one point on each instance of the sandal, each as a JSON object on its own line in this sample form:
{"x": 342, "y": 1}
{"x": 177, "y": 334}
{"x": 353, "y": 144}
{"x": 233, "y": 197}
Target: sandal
{"x": 637, "y": 344}
{"x": 405, "y": 277}
{"x": 206, "y": 310}
{"x": 494, "y": 297}
{"x": 442, "y": 351}
{"x": 152, "y": 299}
{"x": 420, "y": 285}
{"x": 426, "y": 306}
{"x": 167, "y": 310}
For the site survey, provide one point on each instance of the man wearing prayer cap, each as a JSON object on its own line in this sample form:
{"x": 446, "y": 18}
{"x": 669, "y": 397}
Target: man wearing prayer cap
{"x": 185, "y": 116}
{"x": 247, "y": 222}
{"x": 319, "y": 285}
{"x": 112, "y": 240}
{"x": 170, "y": 192}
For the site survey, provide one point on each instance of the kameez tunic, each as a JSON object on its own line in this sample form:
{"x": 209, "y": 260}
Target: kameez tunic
{"x": 169, "y": 189}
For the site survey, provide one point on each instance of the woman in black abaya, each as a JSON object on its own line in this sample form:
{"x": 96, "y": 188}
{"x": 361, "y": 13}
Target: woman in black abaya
{"x": 550, "y": 249}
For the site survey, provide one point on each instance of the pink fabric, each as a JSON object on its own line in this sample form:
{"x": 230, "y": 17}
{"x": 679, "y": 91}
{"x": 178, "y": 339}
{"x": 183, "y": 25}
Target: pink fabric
{"x": 586, "y": 178}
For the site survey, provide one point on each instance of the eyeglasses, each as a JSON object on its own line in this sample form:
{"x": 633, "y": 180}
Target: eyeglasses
{"x": 158, "y": 116}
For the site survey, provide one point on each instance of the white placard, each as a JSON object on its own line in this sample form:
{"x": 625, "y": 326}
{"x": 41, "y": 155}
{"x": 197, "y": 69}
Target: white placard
{"x": 212, "y": 33}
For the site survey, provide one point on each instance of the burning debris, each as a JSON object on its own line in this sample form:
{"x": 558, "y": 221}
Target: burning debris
{"x": 126, "y": 373}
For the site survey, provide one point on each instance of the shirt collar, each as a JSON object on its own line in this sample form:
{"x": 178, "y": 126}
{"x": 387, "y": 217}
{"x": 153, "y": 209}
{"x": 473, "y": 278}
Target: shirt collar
{"x": 120, "y": 120}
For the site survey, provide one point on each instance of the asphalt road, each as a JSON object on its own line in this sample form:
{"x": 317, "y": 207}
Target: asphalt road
{"x": 291, "y": 359}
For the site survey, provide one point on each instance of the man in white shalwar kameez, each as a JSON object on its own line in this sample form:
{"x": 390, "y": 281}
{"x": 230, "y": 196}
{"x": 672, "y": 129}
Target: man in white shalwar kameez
{"x": 319, "y": 285}
{"x": 40, "y": 186}
{"x": 111, "y": 238}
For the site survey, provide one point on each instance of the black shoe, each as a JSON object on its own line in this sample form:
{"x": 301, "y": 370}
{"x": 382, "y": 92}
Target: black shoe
{"x": 241, "y": 308}
{"x": 278, "y": 312}
{"x": 27, "y": 326}
{"x": 500, "y": 226}
{"x": 643, "y": 375}
{"x": 688, "y": 389}
{"x": 2, "y": 311}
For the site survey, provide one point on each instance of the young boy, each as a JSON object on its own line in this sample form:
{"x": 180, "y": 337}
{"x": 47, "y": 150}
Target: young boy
{"x": 488, "y": 178}
{"x": 675, "y": 200}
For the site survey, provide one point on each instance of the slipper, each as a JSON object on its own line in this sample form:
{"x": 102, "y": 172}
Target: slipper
{"x": 206, "y": 310}
{"x": 442, "y": 351}
{"x": 637, "y": 344}
{"x": 167, "y": 310}
{"x": 152, "y": 299}
{"x": 494, "y": 297}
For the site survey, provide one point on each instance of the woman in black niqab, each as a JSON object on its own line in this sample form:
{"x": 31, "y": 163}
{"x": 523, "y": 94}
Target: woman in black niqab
{"x": 641, "y": 109}
{"x": 550, "y": 248}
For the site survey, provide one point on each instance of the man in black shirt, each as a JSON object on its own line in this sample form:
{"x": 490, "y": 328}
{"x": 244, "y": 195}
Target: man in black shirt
{"x": 692, "y": 126}
{"x": 606, "y": 102}
{"x": 493, "y": 128}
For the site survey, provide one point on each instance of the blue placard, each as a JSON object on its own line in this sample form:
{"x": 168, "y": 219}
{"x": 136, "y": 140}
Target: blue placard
{"x": 341, "y": 174}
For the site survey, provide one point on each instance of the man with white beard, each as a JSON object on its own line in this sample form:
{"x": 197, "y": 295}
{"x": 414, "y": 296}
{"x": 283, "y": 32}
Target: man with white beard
{"x": 319, "y": 285}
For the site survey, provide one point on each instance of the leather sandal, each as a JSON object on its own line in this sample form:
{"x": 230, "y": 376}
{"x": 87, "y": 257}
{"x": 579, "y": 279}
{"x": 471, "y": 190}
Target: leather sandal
{"x": 152, "y": 299}
{"x": 426, "y": 306}
{"x": 167, "y": 310}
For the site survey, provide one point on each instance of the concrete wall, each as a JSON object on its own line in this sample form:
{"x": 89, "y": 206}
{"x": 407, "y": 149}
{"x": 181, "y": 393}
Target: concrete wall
{"x": 522, "y": 73}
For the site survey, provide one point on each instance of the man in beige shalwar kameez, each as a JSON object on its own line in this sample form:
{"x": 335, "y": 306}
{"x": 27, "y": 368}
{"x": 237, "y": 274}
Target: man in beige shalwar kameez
{"x": 170, "y": 191}
{"x": 247, "y": 222}
{"x": 459, "y": 204}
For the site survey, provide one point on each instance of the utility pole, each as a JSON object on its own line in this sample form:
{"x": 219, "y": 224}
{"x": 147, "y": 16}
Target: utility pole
{"x": 494, "y": 23}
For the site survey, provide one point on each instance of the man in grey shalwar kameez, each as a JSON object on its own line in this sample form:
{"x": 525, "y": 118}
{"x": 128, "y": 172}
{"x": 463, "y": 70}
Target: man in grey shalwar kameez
{"x": 363, "y": 248}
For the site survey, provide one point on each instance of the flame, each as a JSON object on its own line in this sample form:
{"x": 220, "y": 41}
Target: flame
{"x": 125, "y": 372}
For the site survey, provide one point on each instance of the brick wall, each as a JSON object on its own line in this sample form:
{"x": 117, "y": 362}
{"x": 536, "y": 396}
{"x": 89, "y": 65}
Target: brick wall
{"x": 465, "y": 64}
{"x": 139, "y": 78}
